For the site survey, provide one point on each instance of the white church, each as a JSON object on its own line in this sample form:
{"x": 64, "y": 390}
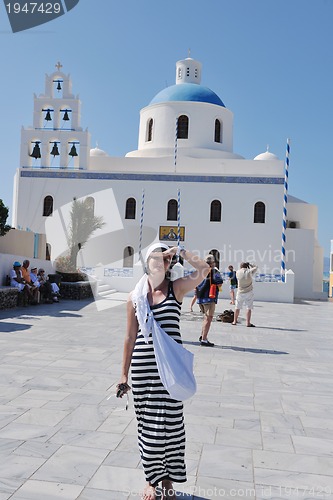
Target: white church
{"x": 183, "y": 179}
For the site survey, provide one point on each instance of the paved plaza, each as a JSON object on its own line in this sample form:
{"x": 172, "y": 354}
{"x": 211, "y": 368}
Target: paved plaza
{"x": 260, "y": 426}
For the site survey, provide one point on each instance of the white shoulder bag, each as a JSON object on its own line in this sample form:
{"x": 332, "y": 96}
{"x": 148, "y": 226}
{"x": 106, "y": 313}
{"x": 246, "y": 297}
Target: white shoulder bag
{"x": 174, "y": 363}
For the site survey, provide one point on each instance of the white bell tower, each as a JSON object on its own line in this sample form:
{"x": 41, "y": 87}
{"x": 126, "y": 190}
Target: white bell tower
{"x": 188, "y": 71}
{"x": 56, "y": 139}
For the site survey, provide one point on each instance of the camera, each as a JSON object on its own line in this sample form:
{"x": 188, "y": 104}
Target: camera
{"x": 122, "y": 389}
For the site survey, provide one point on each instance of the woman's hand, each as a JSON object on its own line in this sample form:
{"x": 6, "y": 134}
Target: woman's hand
{"x": 170, "y": 252}
{"x": 121, "y": 389}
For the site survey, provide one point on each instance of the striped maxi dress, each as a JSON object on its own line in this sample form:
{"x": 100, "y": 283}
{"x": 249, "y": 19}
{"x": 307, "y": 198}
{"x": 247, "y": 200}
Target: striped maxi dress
{"x": 161, "y": 432}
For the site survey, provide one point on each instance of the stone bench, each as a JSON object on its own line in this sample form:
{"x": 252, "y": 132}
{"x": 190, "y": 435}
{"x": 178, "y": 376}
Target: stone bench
{"x": 8, "y": 297}
{"x": 77, "y": 290}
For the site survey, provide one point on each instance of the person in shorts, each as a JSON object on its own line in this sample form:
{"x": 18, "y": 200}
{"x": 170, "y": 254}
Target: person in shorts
{"x": 207, "y": 303}
{"x": 245, "y": 295}
{"x": 233, "y": 284}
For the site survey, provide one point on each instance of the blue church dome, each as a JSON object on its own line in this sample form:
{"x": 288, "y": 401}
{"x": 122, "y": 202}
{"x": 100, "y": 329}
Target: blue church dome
{"x": 187, "y": 92}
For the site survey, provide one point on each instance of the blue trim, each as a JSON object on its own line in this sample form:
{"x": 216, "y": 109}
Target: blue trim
{"x": 223, "y": 179}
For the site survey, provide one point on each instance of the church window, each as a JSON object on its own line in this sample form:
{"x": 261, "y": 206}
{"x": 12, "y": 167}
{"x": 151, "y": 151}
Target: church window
{"x": 182, "y": 128}
{"x": 128, "y": 257}
{"x": 48, "y": 206}
{"x": 130, "y": 208}
{"x": 259, "y": 213}
{"x": 172, "y": 210}
{"x": 187, "y": 71}
{"x": 179, "y": 73}
{"x": 215, "y": 211}
{"x": 150, "y": 130}
{"x": 196, "y": 73}
{"x": 218, "y": 131}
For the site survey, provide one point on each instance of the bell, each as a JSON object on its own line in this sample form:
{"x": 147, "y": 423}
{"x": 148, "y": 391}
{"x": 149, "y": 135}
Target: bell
{"x": 66, "y": 117}
{"x": 48, "y": 115}
{"x": 73, "y": 151}
{"x": 55, "y": 150}
{"x": 59, "y": 85}
{"x": 36, "y": 151}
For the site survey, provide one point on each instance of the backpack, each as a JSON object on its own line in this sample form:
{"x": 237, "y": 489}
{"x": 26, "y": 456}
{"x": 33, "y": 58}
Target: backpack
{"x": 226, "y": 317}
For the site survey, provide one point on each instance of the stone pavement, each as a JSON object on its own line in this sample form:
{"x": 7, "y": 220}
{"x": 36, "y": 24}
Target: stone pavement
{"x": 260, "y": 426}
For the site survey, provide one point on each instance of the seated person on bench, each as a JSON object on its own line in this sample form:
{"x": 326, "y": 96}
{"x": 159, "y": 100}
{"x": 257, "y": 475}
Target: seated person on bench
{"x": 17, "y": 280}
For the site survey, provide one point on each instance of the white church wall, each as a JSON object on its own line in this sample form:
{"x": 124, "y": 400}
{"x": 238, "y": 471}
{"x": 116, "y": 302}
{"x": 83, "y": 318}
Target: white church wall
{"x": 236, "y": 236}
{"x": 303, "y": 263}
{"x": 201, "y": 126}
{"x": 304, "y": 214}
{"x": 264, "y": 291}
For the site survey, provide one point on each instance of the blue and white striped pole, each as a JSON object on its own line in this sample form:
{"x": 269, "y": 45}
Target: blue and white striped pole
{"x": 178, "y": 222}
{"x": 176, "y": 145}
{"x": 141, "y": 225}
{"x": 284, "y": 219}
{"x": 178, "y": 270}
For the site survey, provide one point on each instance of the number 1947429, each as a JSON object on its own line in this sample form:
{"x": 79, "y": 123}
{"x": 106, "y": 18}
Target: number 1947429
{"x": 33, "y": 7}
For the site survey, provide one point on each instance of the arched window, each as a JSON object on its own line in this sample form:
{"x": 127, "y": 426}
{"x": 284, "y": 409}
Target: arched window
{"x": 128, "y": 257}
{"x": 215, "y": 211}
{"x": 218, "y": 131}
{"x": 259, "y": 213}
{"x": 48, "y": 206}
{"x": 172, "y": 210}
{"x": 182, "y": 127}
{"x": 130, "y": 208}
{"x": 150, "y": 130}
{"x": 216, "y": 255}
{"x": 90, "y": 204}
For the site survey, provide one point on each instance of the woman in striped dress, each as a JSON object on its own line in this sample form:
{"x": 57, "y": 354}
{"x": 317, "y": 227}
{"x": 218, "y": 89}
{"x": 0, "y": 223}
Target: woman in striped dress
{"x": 161, "y": 433}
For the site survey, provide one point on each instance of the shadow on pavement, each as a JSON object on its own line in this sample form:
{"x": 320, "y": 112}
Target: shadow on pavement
{"x": 63, "y": 309}
{"x": 237, "y": 348}
{"x": 13, "y": 327}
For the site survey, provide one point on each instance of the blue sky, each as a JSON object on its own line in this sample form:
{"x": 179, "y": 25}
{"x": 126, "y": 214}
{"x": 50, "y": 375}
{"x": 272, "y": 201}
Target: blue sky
{"x": 270, "y": 61}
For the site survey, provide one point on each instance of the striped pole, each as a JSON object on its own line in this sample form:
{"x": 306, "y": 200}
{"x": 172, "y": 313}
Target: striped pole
{"x": 178, "y": 222}
{"x": 141, "y": 225}
{"x": 177, "y": 270}
{"x": 284, "y": 219}
{"x": 176, "y": 145}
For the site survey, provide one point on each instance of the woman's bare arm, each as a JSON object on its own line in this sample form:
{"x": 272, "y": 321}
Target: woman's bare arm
{"x": 129, "y": 342}
{"x": 184, "y": 285}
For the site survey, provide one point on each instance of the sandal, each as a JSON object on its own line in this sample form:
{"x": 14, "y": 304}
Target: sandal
{"x": 251, "y": 325}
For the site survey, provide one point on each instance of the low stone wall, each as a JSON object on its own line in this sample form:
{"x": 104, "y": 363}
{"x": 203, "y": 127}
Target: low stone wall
{"x": 8, "y": 297}
{"x": 77, "y": 290}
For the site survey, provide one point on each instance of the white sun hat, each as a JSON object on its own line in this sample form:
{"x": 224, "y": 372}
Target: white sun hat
{"x": 153, "y": 247}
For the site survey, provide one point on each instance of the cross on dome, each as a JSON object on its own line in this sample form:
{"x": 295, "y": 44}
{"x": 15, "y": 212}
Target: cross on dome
{"x": 58, "y": 66}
